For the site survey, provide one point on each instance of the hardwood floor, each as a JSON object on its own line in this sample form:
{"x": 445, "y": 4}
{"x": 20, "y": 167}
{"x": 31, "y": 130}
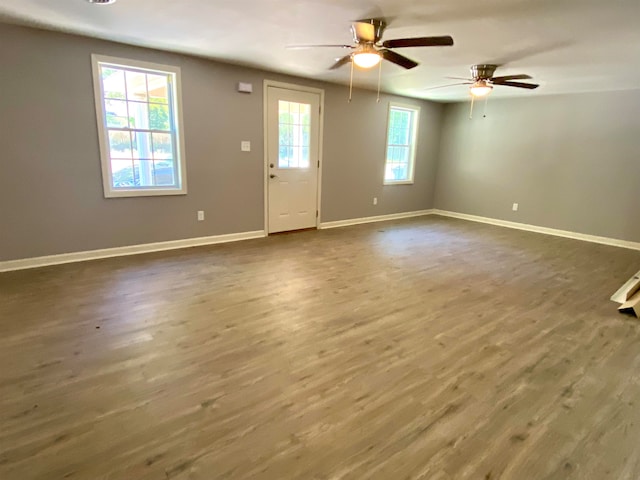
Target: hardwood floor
{"x": 426, "y": 348}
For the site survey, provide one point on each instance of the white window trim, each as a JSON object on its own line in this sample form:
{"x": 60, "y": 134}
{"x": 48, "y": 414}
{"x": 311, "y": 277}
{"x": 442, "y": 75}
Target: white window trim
{"x": 109, "y": 191}
{"x": 414, "y": 143}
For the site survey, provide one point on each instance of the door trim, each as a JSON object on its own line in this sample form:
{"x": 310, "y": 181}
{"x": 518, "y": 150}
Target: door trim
{"x": 298, "y": 88}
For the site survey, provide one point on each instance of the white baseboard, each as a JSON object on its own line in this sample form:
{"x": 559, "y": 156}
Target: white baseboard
{"x": 35, "y": 262}
{"x": 377, "y": 218}
{"x": 122, "y": 251}
{"x": 548, "y": 231}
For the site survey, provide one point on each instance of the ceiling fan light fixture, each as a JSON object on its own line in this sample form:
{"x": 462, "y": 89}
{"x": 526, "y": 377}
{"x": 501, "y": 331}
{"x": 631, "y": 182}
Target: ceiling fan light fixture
{"x": 480, "y": 89}
{"x": 366, "y": 56}
{"x": 366, "y": 60}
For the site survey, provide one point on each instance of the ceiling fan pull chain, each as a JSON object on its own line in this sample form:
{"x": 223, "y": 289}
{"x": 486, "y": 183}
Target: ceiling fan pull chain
{"x": 351, "y": 82}
{"x": 379, "y": 80}
{"x": 486, "y": 101}
{"x": 471, "y": 111}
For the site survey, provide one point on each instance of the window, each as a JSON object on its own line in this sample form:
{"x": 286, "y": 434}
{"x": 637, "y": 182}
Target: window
{"x": 294, "y": 128}
{"x": 401, "y": 144}
{"x": 139, "y": 127}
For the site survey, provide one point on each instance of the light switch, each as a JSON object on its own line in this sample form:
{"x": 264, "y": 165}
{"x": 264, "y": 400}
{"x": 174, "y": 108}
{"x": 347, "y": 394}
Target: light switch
{"x": 245, "y": 146}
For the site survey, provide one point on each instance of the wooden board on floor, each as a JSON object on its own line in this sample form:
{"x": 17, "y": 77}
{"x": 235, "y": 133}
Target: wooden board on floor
{"x": 628, "y": 290}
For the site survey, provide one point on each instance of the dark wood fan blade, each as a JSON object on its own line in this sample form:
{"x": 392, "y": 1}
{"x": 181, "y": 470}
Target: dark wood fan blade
{"x": 294, "y": 47}
{"x": 445, "y": 41}
{"x": 530, "y": 86}
{"x": 449, "y": 85}
{"x": 365, "y": 32}
{"x": 398, "y": 59}
{"x": 522, "y": 76}
{"x": 340, "y": 62}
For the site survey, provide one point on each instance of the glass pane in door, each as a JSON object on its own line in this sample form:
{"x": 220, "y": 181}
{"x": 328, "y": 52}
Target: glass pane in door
{"x": 294, "y": 127}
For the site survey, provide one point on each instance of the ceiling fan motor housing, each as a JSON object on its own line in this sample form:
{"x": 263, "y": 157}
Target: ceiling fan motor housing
{"x": 378, "y": 24}
{"x": 483, "y": 72}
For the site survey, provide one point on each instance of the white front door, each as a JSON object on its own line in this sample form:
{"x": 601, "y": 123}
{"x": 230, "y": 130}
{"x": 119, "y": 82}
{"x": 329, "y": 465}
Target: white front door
{"x": 293, "y": 126}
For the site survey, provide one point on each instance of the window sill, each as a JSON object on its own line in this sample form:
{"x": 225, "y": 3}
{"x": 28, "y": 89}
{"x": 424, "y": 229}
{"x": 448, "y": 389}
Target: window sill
{"x": 143, "y": 193}
{"x": 398, "y": 182}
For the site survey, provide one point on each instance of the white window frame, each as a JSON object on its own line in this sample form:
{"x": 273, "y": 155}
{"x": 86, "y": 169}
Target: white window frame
{"x": 415, "y": 109}
{"x": 178, "y": 127}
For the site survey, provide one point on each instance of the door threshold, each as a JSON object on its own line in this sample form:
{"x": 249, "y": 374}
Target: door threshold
{"x": 286, "y": 232}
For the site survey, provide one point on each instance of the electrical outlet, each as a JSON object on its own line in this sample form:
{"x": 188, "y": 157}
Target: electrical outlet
{"x": 515, "y": 207}
{"x": 200, "y": 215}
{"x": 245, "y": 146}
{"x": 375, "y": 200}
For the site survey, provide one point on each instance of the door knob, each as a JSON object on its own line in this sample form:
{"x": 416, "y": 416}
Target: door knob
{"x": 272, "y": 176}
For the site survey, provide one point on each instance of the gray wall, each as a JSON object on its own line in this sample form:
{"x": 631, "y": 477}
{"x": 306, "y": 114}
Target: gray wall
{"x": 572, "y": 162}
{"x": 51, "y": 198}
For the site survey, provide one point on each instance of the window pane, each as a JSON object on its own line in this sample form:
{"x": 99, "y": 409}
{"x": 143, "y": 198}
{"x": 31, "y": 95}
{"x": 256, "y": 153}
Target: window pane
{"x": 141, "y": 145}
{"x": 144, "y": 174}
{"x": 138, "y": 115}
{"x": 391, "y": 154}
{"x": 113, "y": 82}
{"x": 286, "y": 160}
{"x": 286, "y": 134}
{"x": 399, "y": 136}
{"x": 283, "y": 112}
{"x": 162, "y": 146}
{"x": 116, "y": 113}
{"x": 136, "y": 86}
{"x": 119, "y": 144}
{"x": 165, "y": 173}
{"x": 388, "y": 173}
{"x": 159, "y": 117}
{"x": 400, "y": 119}
{"x": 158, "y": 88}
{"x": 122, "y": 174}
{"x": 396, "y": 171}
{"x": 402, "y": 154}
{"x": 282, "y": 154}
{"x": 305, "y": 114}
{"x": 399, "y": 172}
{"x": 294, "y": 109}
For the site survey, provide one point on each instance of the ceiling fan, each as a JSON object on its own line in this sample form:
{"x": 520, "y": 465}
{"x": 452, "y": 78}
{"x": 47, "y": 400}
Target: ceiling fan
{"x": 482, "y": 80}
{"x": 369, "y": 49}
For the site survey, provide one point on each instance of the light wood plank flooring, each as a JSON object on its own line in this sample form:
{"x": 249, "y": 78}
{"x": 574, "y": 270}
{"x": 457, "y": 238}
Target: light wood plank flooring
{"x": 426, "y": 348}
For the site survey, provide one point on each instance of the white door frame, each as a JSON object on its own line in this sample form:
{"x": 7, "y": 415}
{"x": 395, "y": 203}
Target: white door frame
{"x": 298, "y": 88}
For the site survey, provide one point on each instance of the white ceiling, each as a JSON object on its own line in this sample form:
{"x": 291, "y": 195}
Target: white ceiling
{"x": 566, "y": 45}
